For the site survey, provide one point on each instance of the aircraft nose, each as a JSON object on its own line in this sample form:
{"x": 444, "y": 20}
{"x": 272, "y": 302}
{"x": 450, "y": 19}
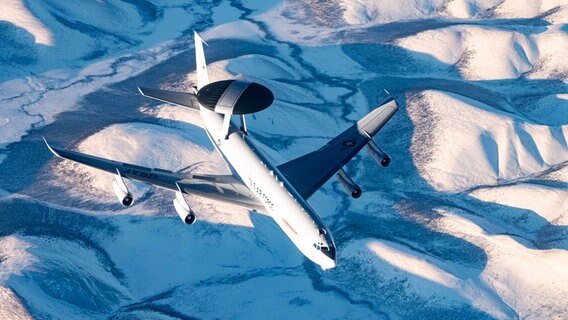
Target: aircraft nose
{"x": 330, "y": 252}
{"x": 329, "y": 261}
{"x": 329, "y": 264}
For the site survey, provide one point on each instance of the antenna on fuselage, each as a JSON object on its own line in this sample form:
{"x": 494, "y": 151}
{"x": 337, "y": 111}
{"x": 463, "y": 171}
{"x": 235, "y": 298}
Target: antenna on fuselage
{"x": 235, "y": 96}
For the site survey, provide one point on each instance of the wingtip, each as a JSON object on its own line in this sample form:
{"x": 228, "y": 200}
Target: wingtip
{"x": 198, "y": 36}
{"x": 390, "y": 103}
{"x": 55, "y": 153}
{"x": 141, "y": 90}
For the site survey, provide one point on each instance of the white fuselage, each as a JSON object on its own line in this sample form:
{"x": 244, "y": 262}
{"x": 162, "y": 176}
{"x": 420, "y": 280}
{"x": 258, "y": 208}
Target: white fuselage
{"x": 290, "y": 211}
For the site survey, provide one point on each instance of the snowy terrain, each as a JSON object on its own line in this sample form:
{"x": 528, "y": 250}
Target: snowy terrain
{"x": 470, "y": 221}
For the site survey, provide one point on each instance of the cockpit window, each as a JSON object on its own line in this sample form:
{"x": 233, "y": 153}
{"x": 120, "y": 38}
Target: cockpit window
{"x": 328, "y": 251}
{"x": 322, "y": 231}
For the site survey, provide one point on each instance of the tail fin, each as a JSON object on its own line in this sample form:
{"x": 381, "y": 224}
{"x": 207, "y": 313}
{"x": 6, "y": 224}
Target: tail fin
{"x": 200, "y": 64}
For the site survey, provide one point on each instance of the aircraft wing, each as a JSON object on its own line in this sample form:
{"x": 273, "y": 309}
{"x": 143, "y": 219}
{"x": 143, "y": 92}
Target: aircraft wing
{"x": 310, "y": 171}
{"x": 217, "y": 187}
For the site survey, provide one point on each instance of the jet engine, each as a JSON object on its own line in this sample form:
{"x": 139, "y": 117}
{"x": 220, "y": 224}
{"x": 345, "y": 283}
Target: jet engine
{"x": 377, "y": 154}
{"x": 347, "y": 183}
{"x": 182, "y": 208}
{"x": 121, "y": 191}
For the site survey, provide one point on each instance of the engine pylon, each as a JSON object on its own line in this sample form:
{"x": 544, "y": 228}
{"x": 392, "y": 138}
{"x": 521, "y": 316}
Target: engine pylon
{"x": 377, "y": 154}
{"x": 182, "y": 208}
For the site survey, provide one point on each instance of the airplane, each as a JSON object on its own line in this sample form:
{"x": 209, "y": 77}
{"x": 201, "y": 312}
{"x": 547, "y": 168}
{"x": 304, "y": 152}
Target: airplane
{"x": 255, "y": 182}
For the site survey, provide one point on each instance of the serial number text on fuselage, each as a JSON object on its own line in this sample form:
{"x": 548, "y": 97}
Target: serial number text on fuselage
{"x": 256, "y": 188}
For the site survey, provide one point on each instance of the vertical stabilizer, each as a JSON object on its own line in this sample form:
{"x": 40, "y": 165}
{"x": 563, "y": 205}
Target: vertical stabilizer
{"x": 200, "y": 64}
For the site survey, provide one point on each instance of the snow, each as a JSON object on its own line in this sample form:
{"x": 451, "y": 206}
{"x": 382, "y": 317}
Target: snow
{"x": 526, "y": 8}
{"x": 481, "y": 53}
{"x": 555, "y": 106}
{"x": 527, "y": 196}
{"x": 264, "y": 67}
{"x": 225, "y": 13}
{"x": 281, "y": 290}
{"x": 235, "y": 30}
{"x": 76, "y": 48}
{"x": 360, "y": 12}
{"x": 293, "y": 21}
{"x": 516, "y": 272}
{"x": 14, "y": 257}
{"x": 173, "y": 115}
{"x": 147, "y": 145}
{"x": 332, "y": 61}
{"x": 552, "y": 45}
{"x": 469, "y": 221}
{"x": 447, "y": 45}
{"x": 493, "y": 147}
{"x": 11, "y": 307}
{"x": 16, "y": 12}
{"x": 68, "y": 272}
{"x": 418, "y": 265}
{"x": 42, "y": 105}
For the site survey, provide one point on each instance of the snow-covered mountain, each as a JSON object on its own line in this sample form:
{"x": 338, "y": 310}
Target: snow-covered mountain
{"x": 470, "y": 221}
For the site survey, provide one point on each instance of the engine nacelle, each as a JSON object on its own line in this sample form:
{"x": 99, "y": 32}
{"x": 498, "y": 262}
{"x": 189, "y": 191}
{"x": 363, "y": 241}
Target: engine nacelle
{"x": 377, "y": 154}
{"x": 182, "y": 208}
{"x": 121, "y": 191}
{"x": 347, "y": 183}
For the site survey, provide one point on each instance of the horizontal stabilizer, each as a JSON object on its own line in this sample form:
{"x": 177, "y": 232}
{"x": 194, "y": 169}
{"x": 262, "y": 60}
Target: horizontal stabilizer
{"x": 179, "y": 98}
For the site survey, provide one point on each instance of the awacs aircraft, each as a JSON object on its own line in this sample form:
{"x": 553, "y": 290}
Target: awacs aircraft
{"x": 255, "y": 183}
